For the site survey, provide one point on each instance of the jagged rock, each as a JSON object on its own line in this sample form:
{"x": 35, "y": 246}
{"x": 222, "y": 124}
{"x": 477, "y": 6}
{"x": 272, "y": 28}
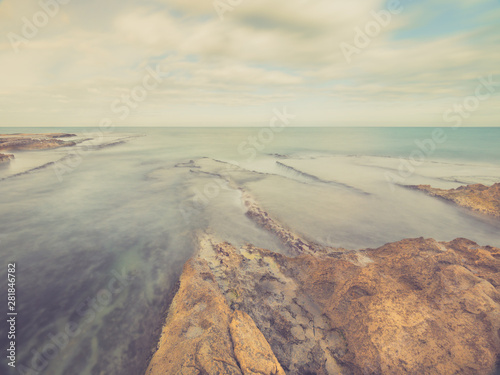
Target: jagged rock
{"x": 196, "y": 337}
{"x": 24, "y": 142}
{"x": 476, "y": 197}
{"x": 253, "y": 280}
{"x": 418, "y": 306}
{"x": 200, "y": 331}
{"x": 40, "y": 135}
{"x": 421, "y": 307}
{"x": 5, "y": 158}
{"x": 251, "y": 348}
{"x": 296, "y": 244}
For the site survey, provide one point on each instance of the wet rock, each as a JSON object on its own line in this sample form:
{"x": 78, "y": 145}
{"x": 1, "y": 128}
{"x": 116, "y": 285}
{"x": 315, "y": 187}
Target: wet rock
{"x": 28, "y": 142}
{"x": 478, "y": 197}
{"x": 417, "y": 306}
{"x": 296, "y": 244}
{"x": 5, "y": 158}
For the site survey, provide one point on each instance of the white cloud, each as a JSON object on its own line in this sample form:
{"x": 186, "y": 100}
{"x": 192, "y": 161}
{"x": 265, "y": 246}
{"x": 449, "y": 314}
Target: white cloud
{"x": 262, "y": 53}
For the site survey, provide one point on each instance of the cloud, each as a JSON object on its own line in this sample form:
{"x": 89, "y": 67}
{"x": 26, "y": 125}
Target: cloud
{"x": 262, "y": 53}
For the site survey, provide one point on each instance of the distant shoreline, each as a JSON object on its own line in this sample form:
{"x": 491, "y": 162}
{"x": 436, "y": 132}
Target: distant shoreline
{"x": 31, "y": 142}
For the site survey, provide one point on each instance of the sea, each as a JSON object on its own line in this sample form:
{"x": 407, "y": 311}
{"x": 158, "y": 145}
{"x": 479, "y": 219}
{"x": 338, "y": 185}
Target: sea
{"x": 99, "y": 232}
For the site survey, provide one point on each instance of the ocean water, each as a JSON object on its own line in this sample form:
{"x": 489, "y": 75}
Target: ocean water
{"x": 100, "y": 232}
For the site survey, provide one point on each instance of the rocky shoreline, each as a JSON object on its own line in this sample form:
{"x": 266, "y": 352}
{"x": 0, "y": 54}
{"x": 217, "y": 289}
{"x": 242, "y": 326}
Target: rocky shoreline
{"x": 417, "y": 306}
{"x": 477, "y": 197}
{"x": 30, "y": 142}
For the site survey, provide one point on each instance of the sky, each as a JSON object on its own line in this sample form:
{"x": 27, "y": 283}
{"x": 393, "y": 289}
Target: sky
{"x": 235, "y": 62}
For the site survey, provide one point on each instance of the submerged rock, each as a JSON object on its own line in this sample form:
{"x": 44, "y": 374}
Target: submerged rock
{"x": 5, "y": 158}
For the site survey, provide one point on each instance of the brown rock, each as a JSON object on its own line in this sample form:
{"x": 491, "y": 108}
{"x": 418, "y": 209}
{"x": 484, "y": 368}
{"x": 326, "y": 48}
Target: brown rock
{"x": 196, "y": 337}
{"x": 39, "y": 135}
{"x": 417, "y": 307}
{"x": 476, "y": 197}
{"x": 251, "y": 348}
{"x": 5, "y": 158}
{"x": 24, "y": 142}
{"x": 201, "y": 328}
{"x": 261, "y": 283}
{"x": 296, "y": 244}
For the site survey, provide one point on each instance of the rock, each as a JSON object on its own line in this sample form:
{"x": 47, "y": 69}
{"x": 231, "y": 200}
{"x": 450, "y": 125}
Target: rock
{"x": 258, "y": 282}
{"x": 296, "y": 244}
{"x": 419, "y": 306}
{"x": 189, "y": 164}
{"x": 196, "y": 337}
{"x": 60, "y": 135}
{"x": 409, "y": 311}
{"x": 25, "y": 142}
{"x": 416, "y": 306}
{"x": 202, "y": 335}
{"x": 298, "y": 333}
{"x": 40, "y": 135}
{"x": 5, "y": 158}
{"x": 251, "y": 348}
{"x": 476, "y": 197}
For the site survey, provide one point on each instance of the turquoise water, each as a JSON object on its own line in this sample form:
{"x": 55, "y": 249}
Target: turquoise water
{"x": 467, "y": 144}
{"x": 100, "y": 238}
